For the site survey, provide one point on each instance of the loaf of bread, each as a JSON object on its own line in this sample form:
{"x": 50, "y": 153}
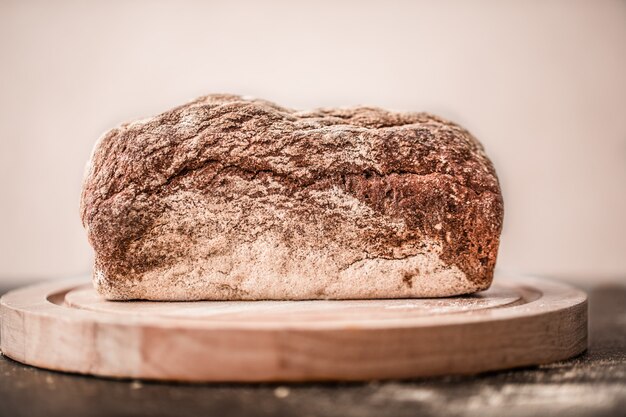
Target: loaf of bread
{"x": 231, "y": 198}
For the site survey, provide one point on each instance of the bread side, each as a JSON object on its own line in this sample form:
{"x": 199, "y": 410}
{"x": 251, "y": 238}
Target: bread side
{"x": 231, "y": 198}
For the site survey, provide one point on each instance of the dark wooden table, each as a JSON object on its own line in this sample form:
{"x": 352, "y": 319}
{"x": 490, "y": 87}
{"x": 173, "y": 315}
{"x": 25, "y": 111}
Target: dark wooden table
{"x": 593, "y": 384}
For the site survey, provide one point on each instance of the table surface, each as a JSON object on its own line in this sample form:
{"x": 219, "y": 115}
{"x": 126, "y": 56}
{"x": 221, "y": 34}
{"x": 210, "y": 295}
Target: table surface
{"x": 589, "y": 385}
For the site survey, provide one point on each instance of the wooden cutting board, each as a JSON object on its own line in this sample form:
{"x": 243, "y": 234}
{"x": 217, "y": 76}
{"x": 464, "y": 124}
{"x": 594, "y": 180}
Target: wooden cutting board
{"x": 66, "y": 326}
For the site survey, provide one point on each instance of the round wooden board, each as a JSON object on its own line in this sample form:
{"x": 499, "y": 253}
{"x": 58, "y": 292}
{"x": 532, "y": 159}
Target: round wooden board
{"x": 65, "y": 325}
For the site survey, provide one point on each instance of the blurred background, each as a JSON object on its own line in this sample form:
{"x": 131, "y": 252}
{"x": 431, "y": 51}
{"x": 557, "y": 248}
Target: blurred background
{"x": 541, "y": 84}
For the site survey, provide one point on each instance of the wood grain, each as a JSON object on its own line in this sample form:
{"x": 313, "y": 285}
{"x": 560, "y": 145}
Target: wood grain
{"x": 65, "y": 326}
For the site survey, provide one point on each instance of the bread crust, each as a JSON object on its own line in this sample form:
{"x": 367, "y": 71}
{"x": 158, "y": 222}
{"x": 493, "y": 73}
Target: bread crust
{"x": 230, "y": 198}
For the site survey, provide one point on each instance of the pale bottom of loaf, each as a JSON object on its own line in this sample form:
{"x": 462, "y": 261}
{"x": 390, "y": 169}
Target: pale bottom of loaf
{"x": 263, "y": 270}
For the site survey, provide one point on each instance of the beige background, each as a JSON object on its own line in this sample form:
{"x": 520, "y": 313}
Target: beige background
{"x": 542, "y": 84}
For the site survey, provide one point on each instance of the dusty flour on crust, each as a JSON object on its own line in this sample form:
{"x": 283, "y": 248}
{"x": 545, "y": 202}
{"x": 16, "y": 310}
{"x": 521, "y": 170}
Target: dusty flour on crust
{"x": 232, "y": 198}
